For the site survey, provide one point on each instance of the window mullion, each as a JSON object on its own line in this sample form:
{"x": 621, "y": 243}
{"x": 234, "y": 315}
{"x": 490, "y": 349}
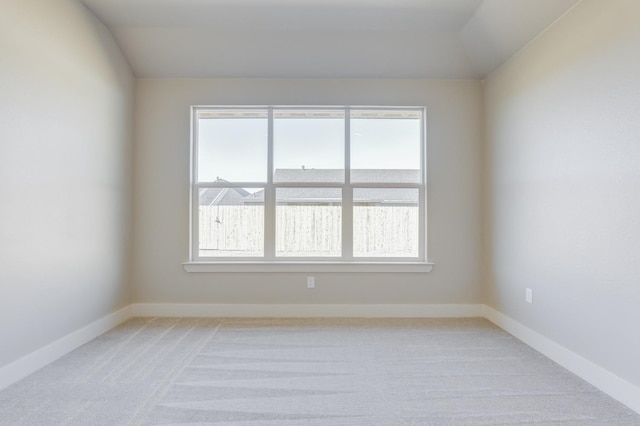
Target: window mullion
{"x": 347, "y": 192}
{"x": 422, "y": 223}
{"x": 194, "y": 228}
{"x": 270, "y": 198}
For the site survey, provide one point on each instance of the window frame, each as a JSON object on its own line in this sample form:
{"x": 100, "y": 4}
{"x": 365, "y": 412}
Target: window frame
{"x": 269, "y": 262}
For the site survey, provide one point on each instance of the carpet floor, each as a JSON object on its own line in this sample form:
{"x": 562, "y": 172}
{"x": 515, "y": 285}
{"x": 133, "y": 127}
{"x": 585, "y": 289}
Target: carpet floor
{"x": 237, "y": 371}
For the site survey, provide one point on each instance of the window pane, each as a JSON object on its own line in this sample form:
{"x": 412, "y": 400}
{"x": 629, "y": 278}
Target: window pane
{"x": 385, "y": 146}
{"x": 385, "y": 222}
{"x": 232, "y": 145}
{"x": 231, "y": 222}
{"x": 308, "y": 222}
{"x": 308, "y": 145}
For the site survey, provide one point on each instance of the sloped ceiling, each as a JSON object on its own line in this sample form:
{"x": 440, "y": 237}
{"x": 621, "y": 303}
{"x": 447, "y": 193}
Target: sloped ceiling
{"x": 448, "y": 39}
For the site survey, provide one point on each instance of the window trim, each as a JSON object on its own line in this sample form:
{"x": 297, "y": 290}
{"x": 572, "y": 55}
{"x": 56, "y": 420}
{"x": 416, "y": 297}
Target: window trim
{"x": 272, "y": 263}
{"x": 309, "y": 266}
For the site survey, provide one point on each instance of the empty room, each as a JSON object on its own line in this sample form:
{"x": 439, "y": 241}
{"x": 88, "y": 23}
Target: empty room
{"x": 320, "y": 212}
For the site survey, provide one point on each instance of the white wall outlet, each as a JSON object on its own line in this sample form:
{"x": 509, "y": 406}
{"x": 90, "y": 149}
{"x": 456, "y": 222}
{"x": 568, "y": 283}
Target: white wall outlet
{"x": 311, "y": 282}
{"x": 529, "y": 295}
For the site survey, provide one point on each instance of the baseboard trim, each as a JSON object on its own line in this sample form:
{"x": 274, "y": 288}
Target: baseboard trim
{"x": 308, "y": 310}
{"x": 28, "y": 364}
{"x": 607, "y": 382}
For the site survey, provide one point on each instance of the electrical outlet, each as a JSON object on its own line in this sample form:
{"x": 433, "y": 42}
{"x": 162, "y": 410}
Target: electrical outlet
{"x": 529, "y": 296}
{"x": 311, "y": 282}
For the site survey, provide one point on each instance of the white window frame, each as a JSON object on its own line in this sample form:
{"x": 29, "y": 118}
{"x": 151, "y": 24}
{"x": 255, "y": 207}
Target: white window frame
{"x": 270, "y": 262}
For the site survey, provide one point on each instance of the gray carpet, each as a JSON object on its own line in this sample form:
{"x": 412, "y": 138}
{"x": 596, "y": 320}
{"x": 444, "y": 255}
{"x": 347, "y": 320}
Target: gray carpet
{"x": 307, "y": 372}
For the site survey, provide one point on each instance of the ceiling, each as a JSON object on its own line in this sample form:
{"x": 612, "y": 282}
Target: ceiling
{"x": 448, "y": 39}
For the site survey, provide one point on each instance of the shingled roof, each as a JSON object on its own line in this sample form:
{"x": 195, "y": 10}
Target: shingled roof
{"x": 222, "y": 196}
{"x": 379, "y": 196}
{"x": 357, "y": 175}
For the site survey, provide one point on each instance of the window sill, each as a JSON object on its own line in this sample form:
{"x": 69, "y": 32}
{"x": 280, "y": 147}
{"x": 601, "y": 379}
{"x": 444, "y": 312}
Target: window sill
{"x": 376, "y": 267}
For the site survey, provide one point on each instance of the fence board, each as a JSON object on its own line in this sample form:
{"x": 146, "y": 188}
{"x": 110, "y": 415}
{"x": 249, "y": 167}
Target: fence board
{"x": 306, "y": 230}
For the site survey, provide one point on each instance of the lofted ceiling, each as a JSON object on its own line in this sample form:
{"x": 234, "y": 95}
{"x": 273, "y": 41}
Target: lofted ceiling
{"x": 448, "y": 39}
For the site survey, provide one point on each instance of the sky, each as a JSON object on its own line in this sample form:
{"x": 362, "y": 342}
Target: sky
{"x": 236, "y": 149}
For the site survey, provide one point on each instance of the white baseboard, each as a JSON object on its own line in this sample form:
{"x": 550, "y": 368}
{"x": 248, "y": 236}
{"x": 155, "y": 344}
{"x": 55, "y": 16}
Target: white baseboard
{"x": 309, "y": 310}
{"x": 609, "y": 383}
{"x": 28, "y": 364}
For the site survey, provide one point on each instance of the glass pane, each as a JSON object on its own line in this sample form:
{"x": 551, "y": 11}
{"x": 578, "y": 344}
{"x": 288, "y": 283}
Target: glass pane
{"x": 385, "y": 222}
{"x": 308, "y": 222}
{"x": 385, "y": 146}
{"x": 231, "y": 222}
{"x": 232, "y": 145}
{"x": 308, "y": 146}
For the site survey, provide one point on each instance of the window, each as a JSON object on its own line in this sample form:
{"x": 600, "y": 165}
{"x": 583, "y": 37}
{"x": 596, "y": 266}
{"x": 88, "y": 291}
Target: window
{"x": 308, "y": 185}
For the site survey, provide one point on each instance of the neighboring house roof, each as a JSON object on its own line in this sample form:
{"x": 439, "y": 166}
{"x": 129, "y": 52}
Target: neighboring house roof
{"x": 357, "y": 175}
{"x": 378, "y": 196}
{"x": 222, "y": 196}
{"x": 299, "y": 195}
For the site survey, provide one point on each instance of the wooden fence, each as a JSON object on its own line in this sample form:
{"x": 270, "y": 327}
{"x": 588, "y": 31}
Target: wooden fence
{"x": 303, "y": 230}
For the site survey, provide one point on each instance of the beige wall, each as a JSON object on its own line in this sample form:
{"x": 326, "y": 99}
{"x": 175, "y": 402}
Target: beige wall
{"x": 65, "y": 142}
{"x": 162, "y": 193}
{"x": 563, "y": 176}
